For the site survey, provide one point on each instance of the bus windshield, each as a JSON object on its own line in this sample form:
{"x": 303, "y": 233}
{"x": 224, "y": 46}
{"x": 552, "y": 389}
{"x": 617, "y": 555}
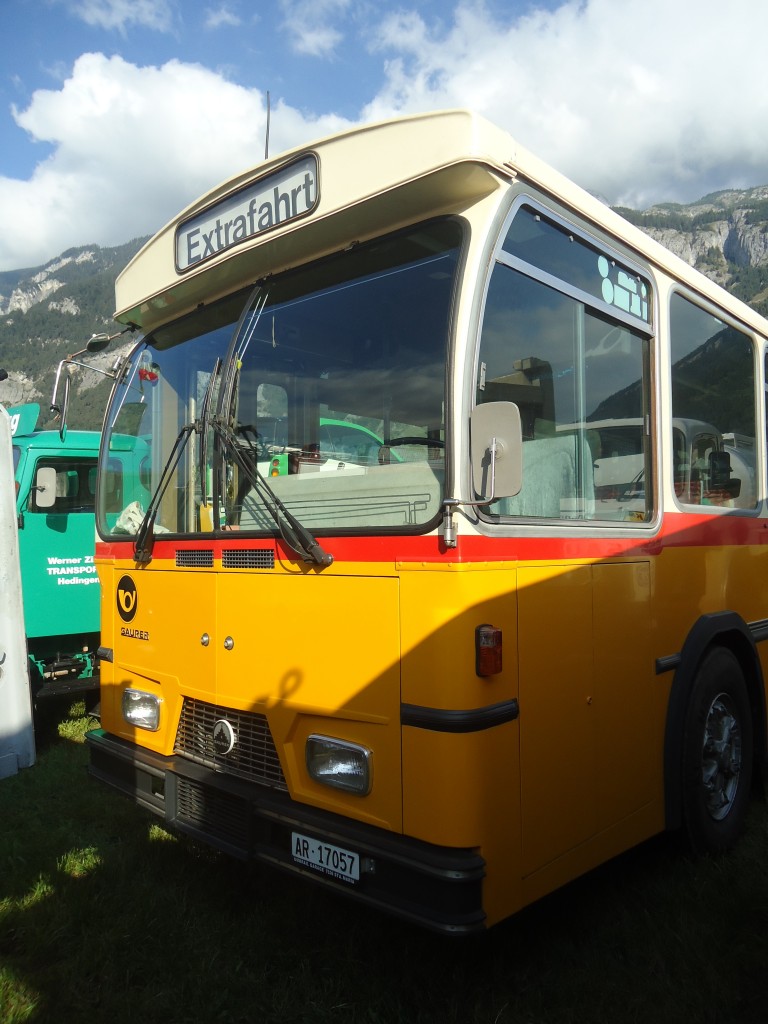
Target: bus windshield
{"x": 327, "y": 382}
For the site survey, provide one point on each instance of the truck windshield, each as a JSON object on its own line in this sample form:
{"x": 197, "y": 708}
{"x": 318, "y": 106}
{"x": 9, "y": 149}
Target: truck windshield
{"x": 328, "y": 381}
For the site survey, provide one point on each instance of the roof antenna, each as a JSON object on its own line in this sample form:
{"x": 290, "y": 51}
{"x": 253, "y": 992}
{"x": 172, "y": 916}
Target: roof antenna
{"x": 266, "y": 144}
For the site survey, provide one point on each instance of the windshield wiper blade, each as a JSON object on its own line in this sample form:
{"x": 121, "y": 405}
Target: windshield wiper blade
{"x": 294, "y": 533}
{"x": 204, "y": 425}
{"x": 145, "y": 536}
{"x": 244, "y": 333}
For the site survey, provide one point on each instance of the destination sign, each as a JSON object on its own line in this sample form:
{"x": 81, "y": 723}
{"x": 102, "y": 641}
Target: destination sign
{"x": 280, "y": 197}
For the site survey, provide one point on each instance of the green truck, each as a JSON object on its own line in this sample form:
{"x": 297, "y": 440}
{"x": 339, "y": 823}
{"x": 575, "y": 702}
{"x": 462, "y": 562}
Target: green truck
{"x": 55, "y": 503}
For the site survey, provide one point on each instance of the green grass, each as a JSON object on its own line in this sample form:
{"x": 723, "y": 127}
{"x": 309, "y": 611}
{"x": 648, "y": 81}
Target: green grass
{"x": 106, "y": 917}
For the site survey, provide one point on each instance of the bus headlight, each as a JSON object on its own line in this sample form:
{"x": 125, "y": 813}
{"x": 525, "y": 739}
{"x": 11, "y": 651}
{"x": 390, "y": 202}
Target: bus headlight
{"x": 339, "y": 764}
{"x": 141, "y": 709}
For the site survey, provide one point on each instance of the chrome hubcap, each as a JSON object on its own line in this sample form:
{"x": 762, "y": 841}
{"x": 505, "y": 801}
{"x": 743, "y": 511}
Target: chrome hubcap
{"x": 721, "y": 757}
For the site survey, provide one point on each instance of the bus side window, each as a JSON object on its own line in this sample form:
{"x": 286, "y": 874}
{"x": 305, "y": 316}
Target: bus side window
{"x": 713, "y": 406}
{"x": 580, "y": 380}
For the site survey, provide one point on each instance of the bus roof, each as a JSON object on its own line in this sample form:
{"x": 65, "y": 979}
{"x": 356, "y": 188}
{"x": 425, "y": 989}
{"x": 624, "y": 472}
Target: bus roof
{"x": 322, "y": 197}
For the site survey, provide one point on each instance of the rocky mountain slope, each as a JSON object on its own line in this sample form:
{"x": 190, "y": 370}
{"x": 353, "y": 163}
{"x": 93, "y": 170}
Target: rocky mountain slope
{"x": 50, "y": 311}
{"x": 724, "y": 235}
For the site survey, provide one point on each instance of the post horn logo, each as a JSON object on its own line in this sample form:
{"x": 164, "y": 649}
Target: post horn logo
{"x": 127, "y": 598}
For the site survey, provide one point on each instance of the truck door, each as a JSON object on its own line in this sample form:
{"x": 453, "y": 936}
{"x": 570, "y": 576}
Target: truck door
{"x": 60, "y": 585}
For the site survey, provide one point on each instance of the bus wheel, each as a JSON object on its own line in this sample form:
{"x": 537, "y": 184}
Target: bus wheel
{"x": 717, "y": 754}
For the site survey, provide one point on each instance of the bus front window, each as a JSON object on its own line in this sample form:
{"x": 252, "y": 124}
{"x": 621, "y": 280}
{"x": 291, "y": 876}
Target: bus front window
{"x": 332, "y": 388}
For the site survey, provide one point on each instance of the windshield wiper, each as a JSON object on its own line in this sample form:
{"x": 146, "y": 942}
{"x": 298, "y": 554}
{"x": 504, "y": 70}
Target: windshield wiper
{"x": 296, "y": 536}
{"x": 204, "y": 426}
{"x": 145, "y": 535}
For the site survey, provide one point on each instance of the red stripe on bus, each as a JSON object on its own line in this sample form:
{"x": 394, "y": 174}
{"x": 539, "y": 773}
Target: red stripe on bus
{"x": 678, "y": 530}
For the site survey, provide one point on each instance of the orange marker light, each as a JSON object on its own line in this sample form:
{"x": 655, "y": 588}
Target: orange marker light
{"x": 487, "y": 650}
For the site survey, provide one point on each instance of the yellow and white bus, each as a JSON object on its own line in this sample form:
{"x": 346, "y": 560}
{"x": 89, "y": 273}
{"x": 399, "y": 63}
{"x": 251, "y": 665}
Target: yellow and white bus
{"x": 524, "y": 635}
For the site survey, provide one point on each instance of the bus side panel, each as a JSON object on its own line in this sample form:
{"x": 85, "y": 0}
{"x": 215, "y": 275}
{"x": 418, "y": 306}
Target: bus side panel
{"x": 438, "y": 645}
{"x": 557, "y": 713}
{"x": 462, "y": 789}
{"x": 630, "y": 699}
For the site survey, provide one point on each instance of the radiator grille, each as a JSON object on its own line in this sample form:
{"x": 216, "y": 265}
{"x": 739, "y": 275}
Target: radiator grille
{"x": 253, "y": 756}
{"x": 248, "y": 558}
{"x": 191, "y": 559}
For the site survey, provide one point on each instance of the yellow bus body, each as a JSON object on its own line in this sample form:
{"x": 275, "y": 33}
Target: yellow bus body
{"x": 567, "y": 754}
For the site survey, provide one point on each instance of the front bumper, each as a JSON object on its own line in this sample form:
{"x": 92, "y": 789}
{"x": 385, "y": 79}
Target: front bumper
{"x": 434, "y": 886}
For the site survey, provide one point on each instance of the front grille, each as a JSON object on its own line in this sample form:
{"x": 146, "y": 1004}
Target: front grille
{"x": 217, "y": 814}
{"x": 194, "y": 559}
{"x": 253, "y": 756}
{"x": 248, "y": 558}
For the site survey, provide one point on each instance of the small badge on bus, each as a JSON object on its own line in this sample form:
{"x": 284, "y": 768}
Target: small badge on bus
{"x": 224, "y": 737}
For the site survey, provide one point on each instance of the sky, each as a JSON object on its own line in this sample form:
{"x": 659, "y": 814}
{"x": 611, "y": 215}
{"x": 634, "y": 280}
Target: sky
{"x": 115, "y": 114}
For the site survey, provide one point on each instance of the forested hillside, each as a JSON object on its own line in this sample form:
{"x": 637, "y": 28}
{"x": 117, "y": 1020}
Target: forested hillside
{"x": 51, "y": 311}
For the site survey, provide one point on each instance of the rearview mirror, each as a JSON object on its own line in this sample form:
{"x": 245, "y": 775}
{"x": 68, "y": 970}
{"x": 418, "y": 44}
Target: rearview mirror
{"x": 496, "y": 440}
{"x": 45, "y": 487}
{"x": 96, "y": 343}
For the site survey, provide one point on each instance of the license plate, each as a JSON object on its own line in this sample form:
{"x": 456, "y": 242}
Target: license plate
{"x": 330, "y": 860}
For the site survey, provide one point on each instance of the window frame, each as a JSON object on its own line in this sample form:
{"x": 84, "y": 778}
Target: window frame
{"x": 699, "y": 302}
{"x": 591, "y": 235}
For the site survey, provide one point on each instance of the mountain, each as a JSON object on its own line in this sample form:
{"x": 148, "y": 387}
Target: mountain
{"x": 50, "y": 311}
{"x": 724, "y": 235}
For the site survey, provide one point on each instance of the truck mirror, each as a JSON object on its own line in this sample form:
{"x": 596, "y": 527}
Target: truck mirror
{"x": 45, "y": 487}
{"x": 98, "y": 342}
{"x": 496, "y": 440}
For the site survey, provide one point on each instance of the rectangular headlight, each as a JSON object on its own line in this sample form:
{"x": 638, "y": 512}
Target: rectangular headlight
{"x": 141, "y": 709}
{"x": 339, "y": 764}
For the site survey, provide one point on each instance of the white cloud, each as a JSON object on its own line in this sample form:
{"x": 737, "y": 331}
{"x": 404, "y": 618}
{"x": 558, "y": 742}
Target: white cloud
{"x": 309, "y": 27}
{"x": 131, "y": 146}
{"x": 640, "y": 105}
{"x": 120, "y": 14}
{"x": 215, "y": 17}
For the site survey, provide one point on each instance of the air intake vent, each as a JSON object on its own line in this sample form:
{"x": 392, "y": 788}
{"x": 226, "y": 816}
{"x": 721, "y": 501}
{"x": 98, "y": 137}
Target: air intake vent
{"x": 189, "y": 559}
{"x": 219, "y": 815}
{"x": 248, "y": 558}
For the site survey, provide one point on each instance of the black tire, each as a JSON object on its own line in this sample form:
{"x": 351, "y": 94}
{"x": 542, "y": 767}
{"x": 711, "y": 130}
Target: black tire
{"x": 717, "y": 754}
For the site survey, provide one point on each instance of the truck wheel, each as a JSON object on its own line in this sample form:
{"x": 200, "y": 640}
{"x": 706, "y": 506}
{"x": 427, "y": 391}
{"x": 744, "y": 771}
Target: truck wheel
{"x": 717, "y": 754}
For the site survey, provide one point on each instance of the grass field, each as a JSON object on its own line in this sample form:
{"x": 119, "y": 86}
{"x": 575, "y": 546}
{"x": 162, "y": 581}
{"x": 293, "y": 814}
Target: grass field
{"x": 105, "y": 917}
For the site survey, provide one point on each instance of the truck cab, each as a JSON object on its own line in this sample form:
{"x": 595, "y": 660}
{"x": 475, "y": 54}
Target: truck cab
{"x": 55, "y": 500}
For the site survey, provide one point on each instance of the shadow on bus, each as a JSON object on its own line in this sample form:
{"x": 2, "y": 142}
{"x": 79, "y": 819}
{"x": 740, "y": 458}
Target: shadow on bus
{"x": 549, "y": 766}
